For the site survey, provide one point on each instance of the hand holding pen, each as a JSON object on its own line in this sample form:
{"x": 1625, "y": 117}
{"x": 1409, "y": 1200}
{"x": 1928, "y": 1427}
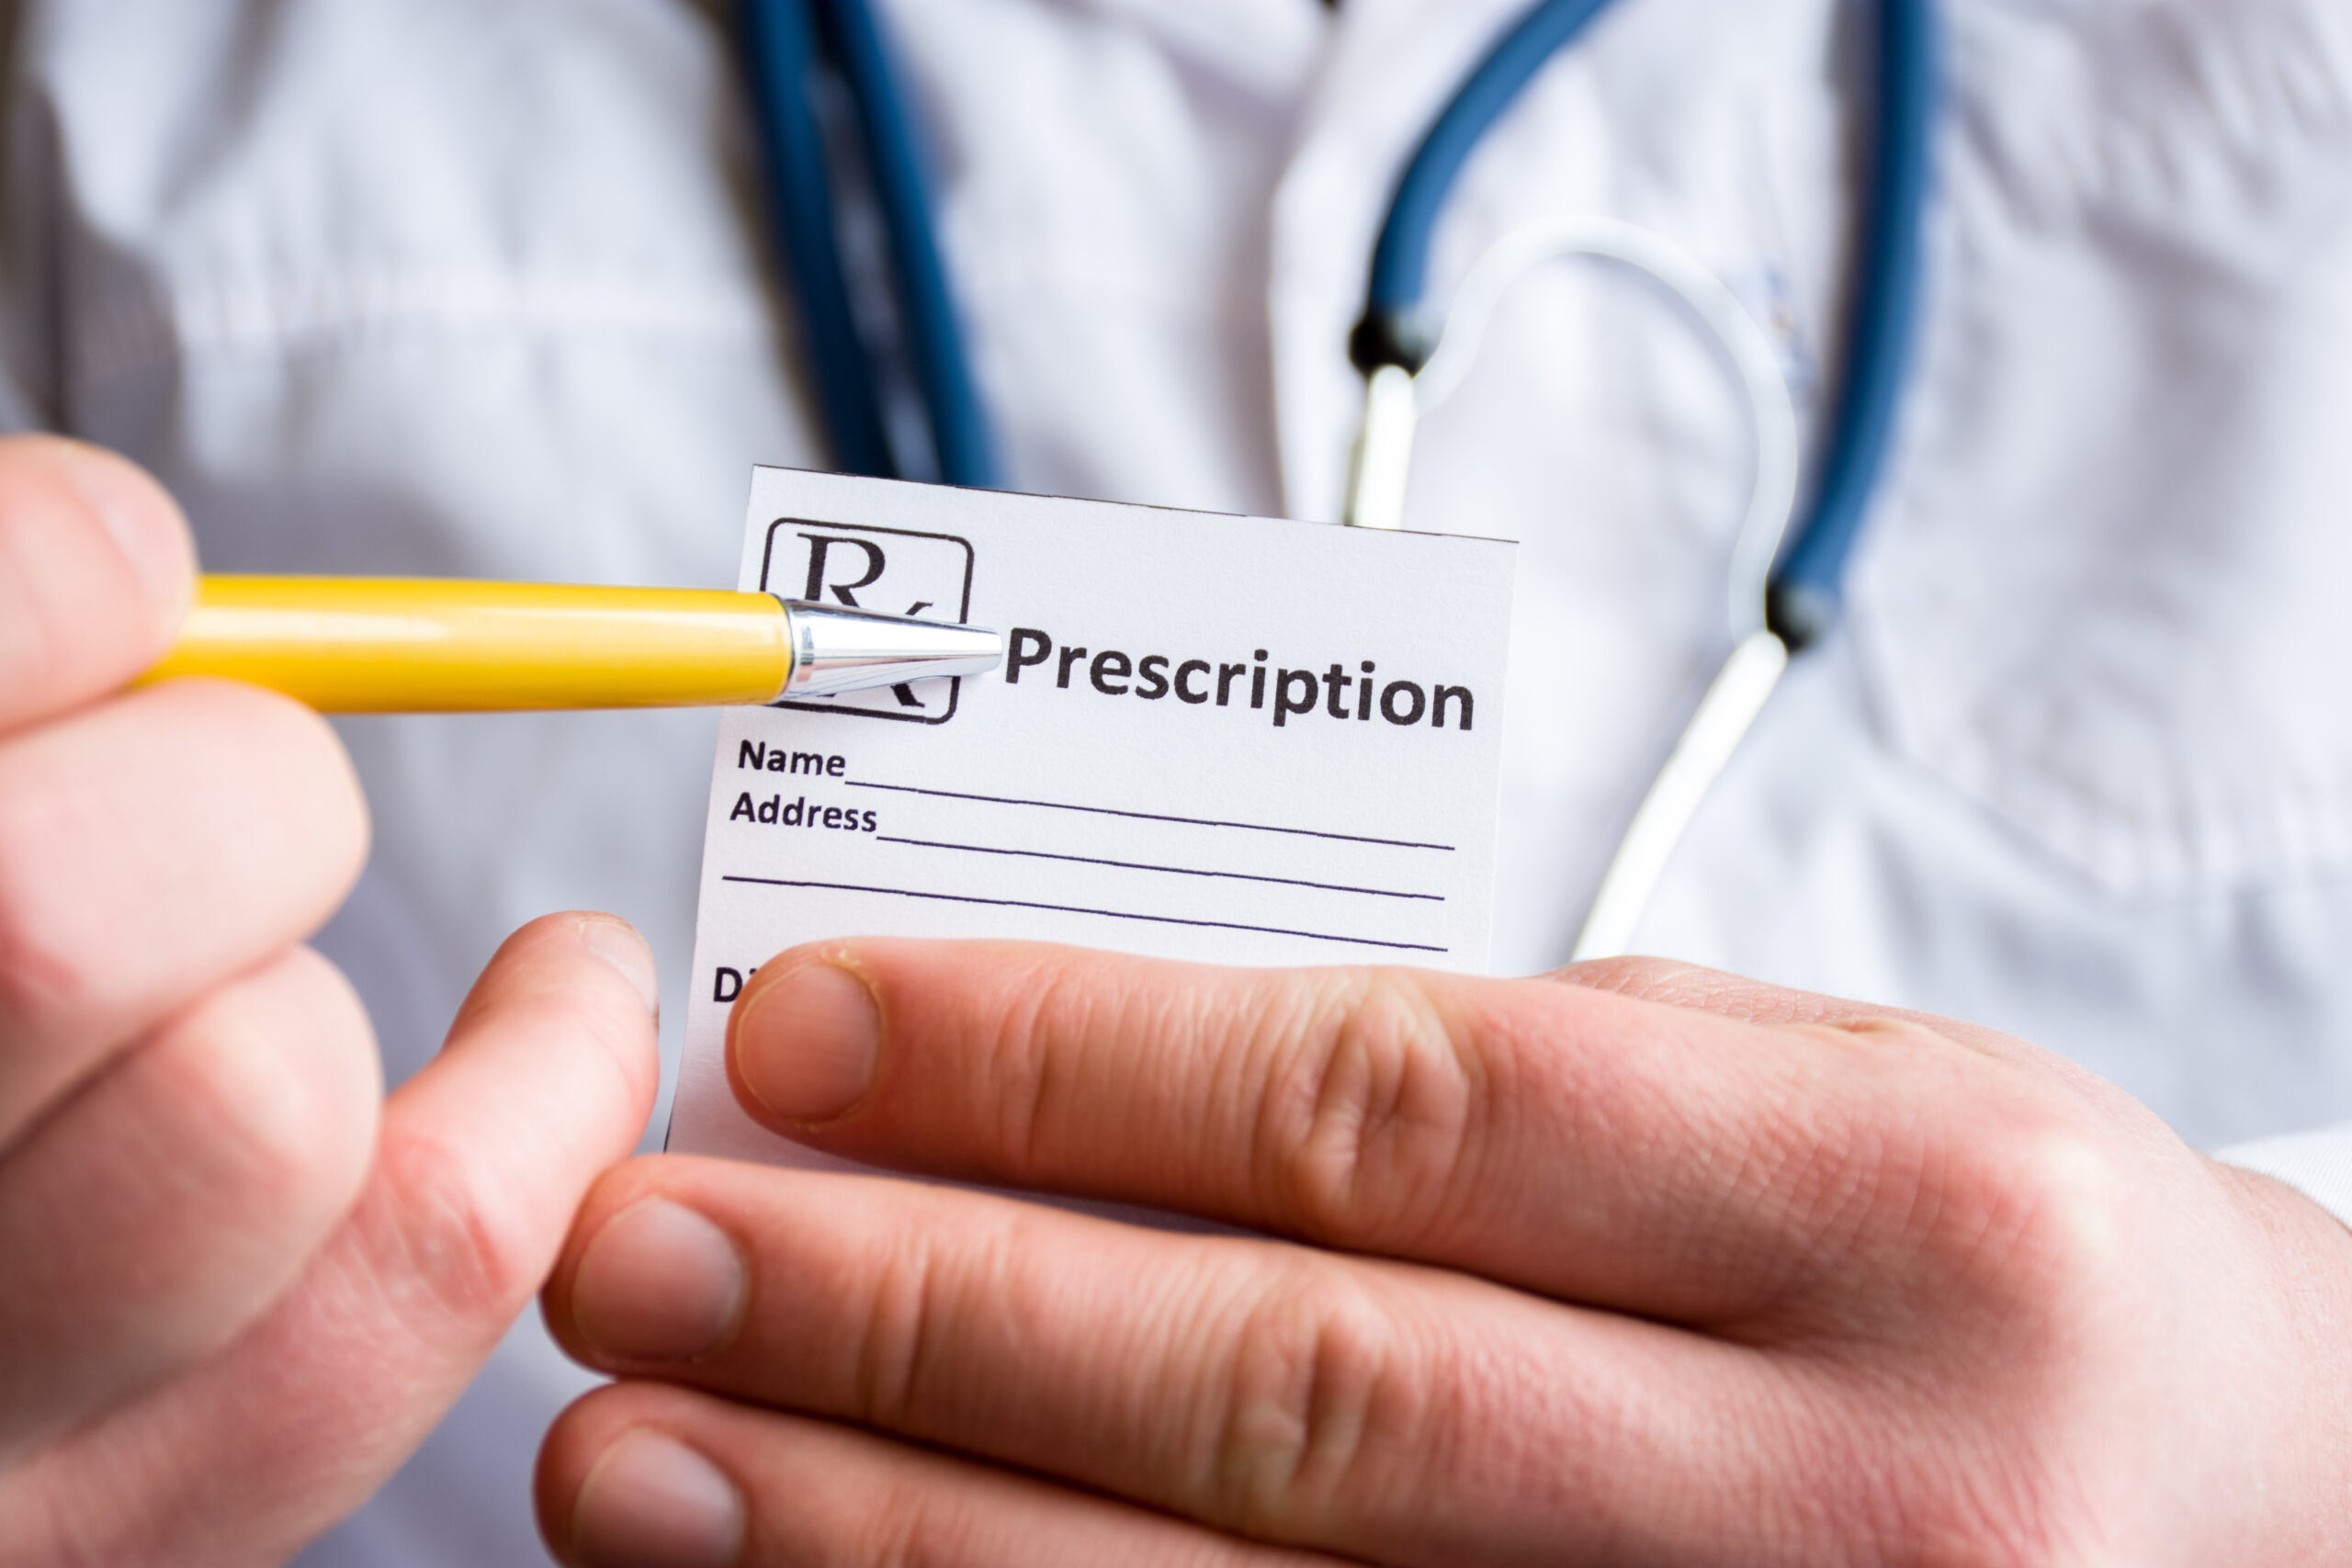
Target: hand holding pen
{"x": 240, "y": 1284}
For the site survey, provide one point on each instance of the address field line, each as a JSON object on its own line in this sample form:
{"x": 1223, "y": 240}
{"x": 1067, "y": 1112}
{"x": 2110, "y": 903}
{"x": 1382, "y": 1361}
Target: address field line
{"x": 1152, "y": 815}
{"x": 1171, "y": 870}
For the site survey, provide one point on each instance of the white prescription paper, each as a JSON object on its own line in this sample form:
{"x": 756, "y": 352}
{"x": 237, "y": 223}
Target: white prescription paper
{"x": 1183, "y": 755}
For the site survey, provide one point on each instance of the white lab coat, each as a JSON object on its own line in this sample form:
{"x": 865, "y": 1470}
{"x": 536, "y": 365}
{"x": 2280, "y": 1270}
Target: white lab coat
{"x": 428, "y": 285}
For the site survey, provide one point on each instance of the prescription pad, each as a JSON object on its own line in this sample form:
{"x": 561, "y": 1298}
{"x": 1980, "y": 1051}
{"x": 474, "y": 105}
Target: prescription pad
{"x": 1226, "y": 739}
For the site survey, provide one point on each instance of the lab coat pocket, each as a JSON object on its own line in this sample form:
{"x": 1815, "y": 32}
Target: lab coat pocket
{"x": 2106, "y": 592}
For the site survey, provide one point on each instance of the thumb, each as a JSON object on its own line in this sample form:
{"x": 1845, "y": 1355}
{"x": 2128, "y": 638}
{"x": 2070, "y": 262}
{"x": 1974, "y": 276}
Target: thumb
{"x": 546, "y": 1081}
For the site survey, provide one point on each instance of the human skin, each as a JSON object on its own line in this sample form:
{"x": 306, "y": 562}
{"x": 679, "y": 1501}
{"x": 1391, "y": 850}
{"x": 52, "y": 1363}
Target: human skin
{"x": 237, "y": 1285}
{"x": 1634, "y": 1264}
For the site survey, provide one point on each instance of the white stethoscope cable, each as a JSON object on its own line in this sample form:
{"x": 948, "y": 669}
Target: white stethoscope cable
{"x": 1395, "y": 402}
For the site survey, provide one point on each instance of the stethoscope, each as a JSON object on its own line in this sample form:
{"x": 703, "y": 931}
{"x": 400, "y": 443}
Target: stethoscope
{"x": 807, "y": 57}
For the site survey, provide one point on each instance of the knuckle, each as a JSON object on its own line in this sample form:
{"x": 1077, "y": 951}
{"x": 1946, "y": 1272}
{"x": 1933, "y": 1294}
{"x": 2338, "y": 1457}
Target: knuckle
{"x": 50, "y": 969}
{"x": 1980, "y": 1188}
{"x": 2009, "y": 1517}
{"x": 914, "y": 1526}
{"x": 1017, "y": 1064}
{"x": 277, "y": 764}
{"x": 51, "y": 1520}
{"x": 275, "y": 1075}
{"x": 43, "y": 602}
{"x": 896, "y": 1351}
{"x": 1374, "y": 1126}
{"x": 45, "y": 977}
{"x": 448, "y": 1242}
{"x": 284, "y": 1112}
{"x": 1660, "y": 980}
{"x": 120, "y": 893}
{"x": 2030, "y": 1218}
{"x": 35, "y": 648}
{"x": 312, "y": 784}
{"x": 887, "y": 1514}
{"x": 1319, "y": 1384}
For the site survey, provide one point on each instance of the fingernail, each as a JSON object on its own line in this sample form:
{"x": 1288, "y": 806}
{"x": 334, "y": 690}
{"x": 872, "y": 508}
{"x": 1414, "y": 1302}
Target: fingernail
{"x": 658, "y": 1283}
{"x": 142, "y": 524}
{"x": 806, "y": 1044}
{"x": 618, "y": 944}
{"x": 652, "y": 1502}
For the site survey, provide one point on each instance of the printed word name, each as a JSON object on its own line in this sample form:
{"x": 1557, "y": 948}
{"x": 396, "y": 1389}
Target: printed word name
{"x": 761, "y": 758}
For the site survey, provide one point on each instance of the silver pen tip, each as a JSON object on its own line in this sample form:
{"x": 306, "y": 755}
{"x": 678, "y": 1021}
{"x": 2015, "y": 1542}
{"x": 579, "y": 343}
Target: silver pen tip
{"x": 852, "y": 650}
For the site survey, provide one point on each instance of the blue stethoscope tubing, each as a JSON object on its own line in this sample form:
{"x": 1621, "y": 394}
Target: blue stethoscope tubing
{"x": 789, "y": 42}
{"x": 786, "y": 41}
{"x": 1396, "y": 328}
{"x": 786, "y": 44}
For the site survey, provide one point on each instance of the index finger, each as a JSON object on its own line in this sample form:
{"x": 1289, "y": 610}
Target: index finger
{"x": 95, "y": 569}
{"x": 1603, "y": 1149}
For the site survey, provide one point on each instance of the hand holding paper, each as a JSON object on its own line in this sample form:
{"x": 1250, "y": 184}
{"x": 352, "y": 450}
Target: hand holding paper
{"x": 1643, "y": 1264}
{"x": 1634, "y": 1265}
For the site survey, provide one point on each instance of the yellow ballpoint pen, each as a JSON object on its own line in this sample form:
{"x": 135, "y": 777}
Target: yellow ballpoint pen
{"x": 430, "y": 644}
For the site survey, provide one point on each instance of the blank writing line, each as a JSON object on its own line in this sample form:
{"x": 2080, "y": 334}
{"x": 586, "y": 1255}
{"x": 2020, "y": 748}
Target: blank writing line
{"x": 1152, "y": 815}
{"x": 1176, "y": 870}
{"x": 1071, "y": 909}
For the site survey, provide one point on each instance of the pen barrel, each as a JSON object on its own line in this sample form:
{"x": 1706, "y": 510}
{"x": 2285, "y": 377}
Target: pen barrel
{"x": 422, "y": 644}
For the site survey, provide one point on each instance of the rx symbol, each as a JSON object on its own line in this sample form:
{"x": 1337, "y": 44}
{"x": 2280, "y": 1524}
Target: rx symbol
{"x": 819, "y": 548}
